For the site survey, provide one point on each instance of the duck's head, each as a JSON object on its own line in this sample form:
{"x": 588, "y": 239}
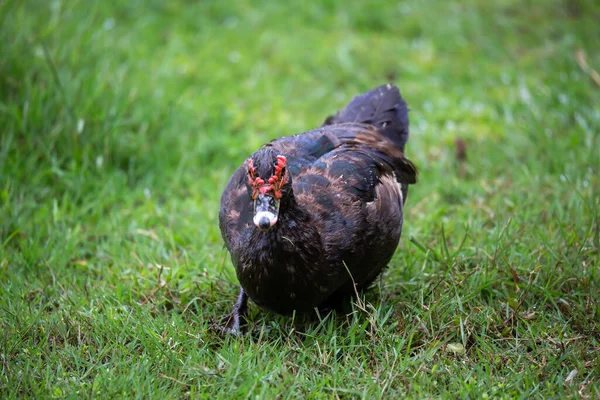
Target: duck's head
{"x": 268, "y": 184}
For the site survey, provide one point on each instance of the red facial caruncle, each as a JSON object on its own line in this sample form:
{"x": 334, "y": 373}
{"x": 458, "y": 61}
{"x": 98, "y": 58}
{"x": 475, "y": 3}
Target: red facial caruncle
{"x": 275, "y": 183}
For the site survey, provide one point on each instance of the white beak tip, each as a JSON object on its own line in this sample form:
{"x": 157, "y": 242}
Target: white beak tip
{"x": 264, "y": 220}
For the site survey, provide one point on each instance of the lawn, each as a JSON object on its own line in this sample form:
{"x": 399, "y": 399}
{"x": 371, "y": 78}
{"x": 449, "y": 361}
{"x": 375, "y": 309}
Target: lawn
{"x": 120, "y": 123}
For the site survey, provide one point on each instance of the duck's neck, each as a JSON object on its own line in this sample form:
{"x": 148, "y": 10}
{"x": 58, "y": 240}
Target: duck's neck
{"x": 294, "y": 233}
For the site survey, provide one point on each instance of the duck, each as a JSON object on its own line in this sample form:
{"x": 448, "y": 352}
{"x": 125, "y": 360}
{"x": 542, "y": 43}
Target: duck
{"x": 312, "y": 219}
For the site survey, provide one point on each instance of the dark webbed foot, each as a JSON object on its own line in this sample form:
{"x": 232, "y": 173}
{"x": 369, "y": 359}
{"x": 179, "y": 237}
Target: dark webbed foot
{"x": 233, "y": 323}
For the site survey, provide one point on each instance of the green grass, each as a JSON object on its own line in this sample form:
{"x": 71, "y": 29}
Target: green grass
{"x": 120, "y": 124}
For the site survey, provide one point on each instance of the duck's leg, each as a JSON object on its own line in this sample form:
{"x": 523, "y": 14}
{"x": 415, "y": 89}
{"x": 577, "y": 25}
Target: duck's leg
{"x": 234, "y": 322}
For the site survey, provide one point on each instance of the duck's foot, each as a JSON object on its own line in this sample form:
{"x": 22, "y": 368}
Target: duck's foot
{"x": 232, "y": 324}
{"x": 235, "y": 322}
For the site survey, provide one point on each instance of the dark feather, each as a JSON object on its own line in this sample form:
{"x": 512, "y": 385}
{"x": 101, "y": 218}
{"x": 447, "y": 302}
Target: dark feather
{"x": 382, "y": 107}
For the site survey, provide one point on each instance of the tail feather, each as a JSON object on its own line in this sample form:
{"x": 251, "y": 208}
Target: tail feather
{"x": 382, "y": 107}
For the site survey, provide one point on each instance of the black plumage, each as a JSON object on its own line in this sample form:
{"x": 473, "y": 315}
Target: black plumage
{"x": 307, "y": 217}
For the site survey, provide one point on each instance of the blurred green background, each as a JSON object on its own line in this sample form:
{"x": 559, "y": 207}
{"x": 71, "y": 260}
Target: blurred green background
{"x": 121, "y": 122}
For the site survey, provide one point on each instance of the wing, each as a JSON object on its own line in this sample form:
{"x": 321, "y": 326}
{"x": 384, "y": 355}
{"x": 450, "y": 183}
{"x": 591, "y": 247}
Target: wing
{"x": 356, "y": 190}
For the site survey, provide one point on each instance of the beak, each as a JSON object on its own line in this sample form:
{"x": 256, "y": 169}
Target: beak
{"x": 266, "y": 211}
